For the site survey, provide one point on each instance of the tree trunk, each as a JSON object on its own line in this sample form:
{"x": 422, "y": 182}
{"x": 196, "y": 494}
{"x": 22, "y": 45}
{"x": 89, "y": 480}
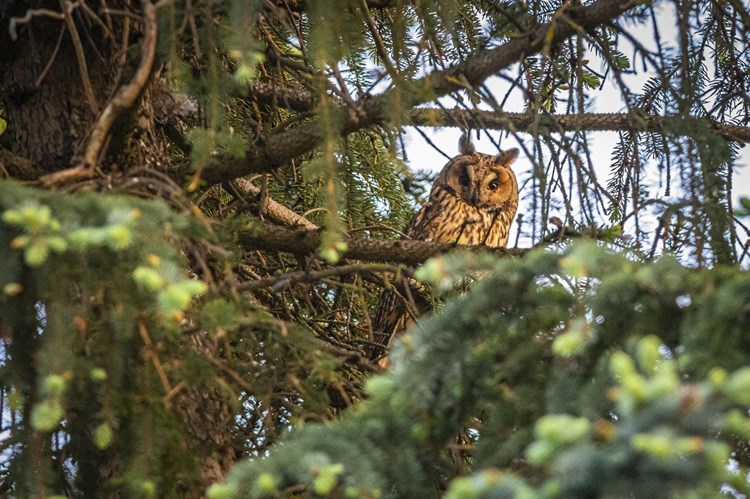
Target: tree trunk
{"x": 56, "y": 81}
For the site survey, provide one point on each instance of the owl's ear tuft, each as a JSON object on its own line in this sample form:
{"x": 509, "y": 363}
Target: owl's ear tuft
{"x": 507, "y": 157}
{"x": 465, "y": 146}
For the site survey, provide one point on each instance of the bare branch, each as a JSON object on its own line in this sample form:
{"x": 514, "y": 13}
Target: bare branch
{"x": 524, "y": 122}
{"x": 274, "y": 209}
{"x": 88, "y": 90}
{"x": 300, "y": 5}
{"x": 280, "y": 282}
{"x": 26, "y": 18}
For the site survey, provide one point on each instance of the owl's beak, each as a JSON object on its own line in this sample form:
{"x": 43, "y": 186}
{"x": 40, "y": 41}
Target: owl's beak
{"x": 474, "y": 199}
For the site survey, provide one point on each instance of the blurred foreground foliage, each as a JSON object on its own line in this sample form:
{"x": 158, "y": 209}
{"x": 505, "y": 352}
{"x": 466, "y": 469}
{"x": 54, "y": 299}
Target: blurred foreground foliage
{"x": 574, "y": 371}
{"x": 579, "y": 373}
{"x": 106, "y": 341}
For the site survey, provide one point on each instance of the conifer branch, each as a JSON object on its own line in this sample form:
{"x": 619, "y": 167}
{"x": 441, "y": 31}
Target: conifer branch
{"x": 298, "y": 99}
{"x": 524, "y": 122}
{"x": 266, "y": 93}
{"x": 301, "y": 241}
{"x": 277, "y": 283}
{"x": 300, "y": 5}
{"x": 277, "y": 149}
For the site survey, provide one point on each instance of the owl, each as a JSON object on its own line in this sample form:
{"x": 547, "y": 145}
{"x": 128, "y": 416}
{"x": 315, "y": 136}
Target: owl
{"x": 473, "y": 201}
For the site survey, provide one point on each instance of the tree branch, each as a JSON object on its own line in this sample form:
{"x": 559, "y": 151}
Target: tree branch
{"x": 304, "y": 242}
{"x": 268, "y": 94}
{"x": 301, "y": 100}
{"x": 280, "y": 148}
{"x": 301, "y": 5}
{"x": 274, "y": 209}
{"x": 22, "y": 169}
{"x": 524, "y": 122}
{"x": 279, "y": 282}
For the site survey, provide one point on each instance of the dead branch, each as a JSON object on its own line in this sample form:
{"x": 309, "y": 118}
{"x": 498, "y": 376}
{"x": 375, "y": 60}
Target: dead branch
{"x": 26, "y": 18}
{"x": 274, "y": 210}
{"x": 288, "y": 279}
{"x": 67, "y": 8}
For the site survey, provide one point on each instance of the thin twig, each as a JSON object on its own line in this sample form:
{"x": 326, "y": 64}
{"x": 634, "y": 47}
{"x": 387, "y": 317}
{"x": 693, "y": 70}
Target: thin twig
{"x": 280, "y": 282}
{"x": 26, "y": 18}
{"x": 151, "y": 353}
{"x": 232, "y": 374}
{"x": 52, "y": 58}
{"x": 88, "y": 90}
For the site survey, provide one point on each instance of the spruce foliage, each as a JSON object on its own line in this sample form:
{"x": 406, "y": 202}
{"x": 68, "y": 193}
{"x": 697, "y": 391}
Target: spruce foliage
{"x": 580, "y": 374}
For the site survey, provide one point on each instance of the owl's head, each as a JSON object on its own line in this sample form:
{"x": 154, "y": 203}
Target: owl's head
{"x": 480, "y": 180}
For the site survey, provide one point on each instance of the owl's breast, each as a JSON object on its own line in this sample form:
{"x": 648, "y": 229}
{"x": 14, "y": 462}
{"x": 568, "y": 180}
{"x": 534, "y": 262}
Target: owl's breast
{"x": 481, "y": 226}
{"x": 446, "y": 218}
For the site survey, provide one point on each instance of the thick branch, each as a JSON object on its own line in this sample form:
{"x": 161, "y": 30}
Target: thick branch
{"x": 298, "y": 99}
{"x": 280, "y": 148}
{"x": 266, "y": 93}
{"x": 21, "y": 169}
{"x": 524, "y": 122}
{"x": 306, "y": 242}
{"x": 128, "y": 94}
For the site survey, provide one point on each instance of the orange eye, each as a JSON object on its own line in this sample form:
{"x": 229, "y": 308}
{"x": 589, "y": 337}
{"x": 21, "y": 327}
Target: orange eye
{"x": 493, "y": 185}
{"x": 463, "y": 180}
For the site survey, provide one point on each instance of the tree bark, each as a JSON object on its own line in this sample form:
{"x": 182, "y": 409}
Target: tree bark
{"x": 302, "y": 241}
{"x": 41, "y": 91}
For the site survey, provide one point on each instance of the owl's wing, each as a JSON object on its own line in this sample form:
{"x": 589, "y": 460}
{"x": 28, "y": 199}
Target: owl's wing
{"x": 423, "y": 226}
{"x": 391, "y": 317}
{"x": 395, "y": 312}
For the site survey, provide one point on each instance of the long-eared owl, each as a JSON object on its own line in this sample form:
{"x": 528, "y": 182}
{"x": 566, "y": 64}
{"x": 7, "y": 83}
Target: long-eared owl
{"x": 473, "y": 201}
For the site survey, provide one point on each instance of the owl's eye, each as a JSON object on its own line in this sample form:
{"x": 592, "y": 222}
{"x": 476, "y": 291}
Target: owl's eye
{"x": 463, "y": 180}
{"x": 493, "y": 185}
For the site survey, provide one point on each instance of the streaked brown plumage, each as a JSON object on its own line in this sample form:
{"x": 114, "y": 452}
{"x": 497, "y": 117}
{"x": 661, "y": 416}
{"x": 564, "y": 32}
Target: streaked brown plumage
{"x": 473, "y": 201}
